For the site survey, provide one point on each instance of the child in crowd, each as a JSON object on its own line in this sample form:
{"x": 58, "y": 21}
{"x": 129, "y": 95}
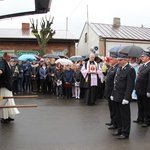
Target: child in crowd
{"x": 77, "y": 78}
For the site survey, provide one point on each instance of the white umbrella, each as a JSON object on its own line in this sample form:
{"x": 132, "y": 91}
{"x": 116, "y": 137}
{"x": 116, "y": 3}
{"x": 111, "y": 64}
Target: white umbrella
{"x": 64, "y": 61}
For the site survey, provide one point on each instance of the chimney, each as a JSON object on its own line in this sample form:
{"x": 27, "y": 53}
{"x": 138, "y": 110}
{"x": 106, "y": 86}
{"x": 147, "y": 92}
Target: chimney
{"x": 25, "y": 29}
{"x": 116, "y": 22}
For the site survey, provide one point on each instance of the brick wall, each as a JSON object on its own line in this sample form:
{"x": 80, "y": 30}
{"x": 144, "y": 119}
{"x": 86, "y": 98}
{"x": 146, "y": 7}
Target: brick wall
{"x": 32, "y": 45}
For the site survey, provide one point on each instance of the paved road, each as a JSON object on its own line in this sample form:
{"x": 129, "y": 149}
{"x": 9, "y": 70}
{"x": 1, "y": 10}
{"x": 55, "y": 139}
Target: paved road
{"x": 60, "y": 124}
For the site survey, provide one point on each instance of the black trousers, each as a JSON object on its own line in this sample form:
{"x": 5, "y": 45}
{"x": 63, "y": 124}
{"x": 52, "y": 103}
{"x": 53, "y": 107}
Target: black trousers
{"x": 123, "y": 118}
{"x": 112, "y": 110}
{"x": 143, "y": 108}
{"x": 43, "y": 85}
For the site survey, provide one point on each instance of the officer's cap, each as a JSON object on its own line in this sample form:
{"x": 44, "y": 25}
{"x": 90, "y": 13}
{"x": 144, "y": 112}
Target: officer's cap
{"x": 146, "y": 53}
{"x": 113, "y": 56}
{"x": 122, "y": 56}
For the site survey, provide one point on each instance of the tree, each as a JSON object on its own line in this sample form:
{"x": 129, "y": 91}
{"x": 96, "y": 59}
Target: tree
{"x": 45, "y": 34}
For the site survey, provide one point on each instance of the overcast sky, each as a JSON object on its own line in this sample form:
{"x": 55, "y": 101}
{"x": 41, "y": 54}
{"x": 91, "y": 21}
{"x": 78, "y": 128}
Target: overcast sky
{"x": 131, "y": 12}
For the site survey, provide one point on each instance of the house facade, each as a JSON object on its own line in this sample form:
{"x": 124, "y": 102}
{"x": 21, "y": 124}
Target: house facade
{"x": 107, "y": 36}
{"x": 21, "y": 41}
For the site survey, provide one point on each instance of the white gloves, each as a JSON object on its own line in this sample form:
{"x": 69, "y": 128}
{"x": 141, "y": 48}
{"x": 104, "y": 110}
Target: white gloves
{"x": 148, "y": 94}
{"x": 124, "y": 102}
{"x": 111, "y": 98}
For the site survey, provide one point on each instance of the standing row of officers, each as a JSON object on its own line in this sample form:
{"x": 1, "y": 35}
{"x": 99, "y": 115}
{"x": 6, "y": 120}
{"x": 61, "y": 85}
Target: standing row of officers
{"x": 121, "y": 81}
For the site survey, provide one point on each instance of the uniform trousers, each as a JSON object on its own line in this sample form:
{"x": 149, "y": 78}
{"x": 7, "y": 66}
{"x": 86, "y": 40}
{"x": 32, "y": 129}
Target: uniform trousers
{"x": 123, "y": 118}
{"x": 143, "y": 109}
{"x": 112, "y": 110}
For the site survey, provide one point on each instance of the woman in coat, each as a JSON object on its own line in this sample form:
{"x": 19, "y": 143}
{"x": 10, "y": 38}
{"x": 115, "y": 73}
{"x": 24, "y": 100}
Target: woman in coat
{"x": 43, "y": 72}
{"x": 68, "y": 78}
{"x": 58, "y": 77}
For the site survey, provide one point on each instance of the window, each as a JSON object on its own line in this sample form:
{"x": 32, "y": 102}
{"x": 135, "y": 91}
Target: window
{"x": 85, "y": 37}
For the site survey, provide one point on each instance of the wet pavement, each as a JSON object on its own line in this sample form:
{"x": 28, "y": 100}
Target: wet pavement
{"x": 68, "y": 124}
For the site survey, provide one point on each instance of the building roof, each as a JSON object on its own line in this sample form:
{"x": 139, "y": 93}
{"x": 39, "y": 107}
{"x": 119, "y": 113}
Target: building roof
{"x": 26, "y": 34}
{"x": 122, "y": 32}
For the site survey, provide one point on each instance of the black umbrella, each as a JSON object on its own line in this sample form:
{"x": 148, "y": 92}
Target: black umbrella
{"x": 147, "y": 49}
{"x": 132, "y": 51}
{"x": 76, "y": 58}
{"x": 114, "y": 49}
{"x": 51, "y": 56}
{"x": 63, "y": 56}
{"x": 13, "y": 56}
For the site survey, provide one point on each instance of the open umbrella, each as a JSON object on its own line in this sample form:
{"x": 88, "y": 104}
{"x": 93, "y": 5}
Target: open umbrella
{"x": 64, "y": 61}
{"x": 37, "y": 57}
{"x": 25, "y": 57}
{"x": 13, "y": 56}
{"x": 51, "y": 56}
{"x": 63, "y": 56}
{"x": 76, "y": 58}
{"x": 114, "y": 49}
{"x": 132, "y": 51}
{"x": 147, "y": 49}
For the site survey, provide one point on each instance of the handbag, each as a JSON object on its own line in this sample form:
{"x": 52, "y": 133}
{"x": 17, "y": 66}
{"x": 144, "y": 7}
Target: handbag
{"x": 67, "y": 85}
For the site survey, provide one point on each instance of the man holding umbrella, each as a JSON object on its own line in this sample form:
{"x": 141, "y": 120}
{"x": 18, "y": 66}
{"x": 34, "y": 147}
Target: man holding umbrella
{"x": 142, "y": 88}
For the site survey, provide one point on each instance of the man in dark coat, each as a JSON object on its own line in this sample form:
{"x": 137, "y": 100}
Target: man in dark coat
{"x": 123, "y": 87}
{"x": 109, "y": 84}
{"x": 6, "y": 87}
{"x": 142, "y": 88}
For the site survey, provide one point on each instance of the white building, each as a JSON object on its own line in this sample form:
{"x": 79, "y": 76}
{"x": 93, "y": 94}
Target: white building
{"x": 107, "y": 36}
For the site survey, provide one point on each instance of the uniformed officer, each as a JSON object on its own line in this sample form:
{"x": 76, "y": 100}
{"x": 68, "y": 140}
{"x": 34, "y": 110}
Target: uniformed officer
{"x": 109, "y": 84}
{"x": 142, "y": 88}
{"x": 123, "y": 87}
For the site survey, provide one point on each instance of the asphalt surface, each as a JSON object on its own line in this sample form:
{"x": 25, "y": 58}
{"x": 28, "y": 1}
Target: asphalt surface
{"x": 68, "y": 124}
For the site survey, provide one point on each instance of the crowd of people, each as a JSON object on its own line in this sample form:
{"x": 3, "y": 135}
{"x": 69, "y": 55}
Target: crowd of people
{"x": 118, "y": 78}
{"x": 47, "y": 77}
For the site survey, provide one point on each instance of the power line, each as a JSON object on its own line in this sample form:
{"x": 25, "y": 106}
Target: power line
{"x": 75, "y": 8}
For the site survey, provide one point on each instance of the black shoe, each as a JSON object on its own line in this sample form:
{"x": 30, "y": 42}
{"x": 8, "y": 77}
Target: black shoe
{"x": 112, "y": 127}
{"x": 4, "y": 121}
{"x": 121, "y": 137}
{"x": 10, "y": 119}
{"x": 108, "y": 124}
{"x": 145, "y": 125}
{"x": 138, "y": 121}
{"x": 116, "y": 133}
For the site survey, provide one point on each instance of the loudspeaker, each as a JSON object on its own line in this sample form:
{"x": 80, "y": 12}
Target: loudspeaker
{"x": 95, "y": 48}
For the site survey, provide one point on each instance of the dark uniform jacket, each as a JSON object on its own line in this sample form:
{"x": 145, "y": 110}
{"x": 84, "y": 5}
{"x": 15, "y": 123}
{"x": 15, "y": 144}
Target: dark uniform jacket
{"x": 142, "y": 85}
{"x": 124, "y": 83}
{"x": 6, "y": 77}
{"x": 109, "y": 82}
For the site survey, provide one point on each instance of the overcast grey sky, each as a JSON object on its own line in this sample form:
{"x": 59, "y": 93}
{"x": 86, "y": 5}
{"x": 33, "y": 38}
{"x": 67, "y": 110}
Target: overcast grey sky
{"x": 131, "y": 12}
